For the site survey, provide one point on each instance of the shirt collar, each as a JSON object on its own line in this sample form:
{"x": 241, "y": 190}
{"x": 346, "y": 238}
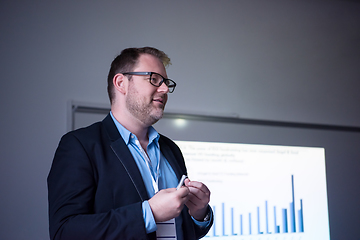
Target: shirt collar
{"x": 126, "y": 134}
{"x": 153, "y": 135}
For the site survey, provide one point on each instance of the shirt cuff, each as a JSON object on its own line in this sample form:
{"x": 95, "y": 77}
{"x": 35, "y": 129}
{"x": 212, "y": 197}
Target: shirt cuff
{"x": 148, "y": 216}
{"x": 206, "y": 223}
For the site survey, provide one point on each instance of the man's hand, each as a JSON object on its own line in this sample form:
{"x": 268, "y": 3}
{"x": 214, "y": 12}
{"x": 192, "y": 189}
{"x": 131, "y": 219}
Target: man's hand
{"x": 199, "y": 198}
{"x": 168, "y": 203}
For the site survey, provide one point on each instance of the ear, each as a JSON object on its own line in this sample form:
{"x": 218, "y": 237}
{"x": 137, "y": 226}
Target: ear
{"x": 120, "y": 83}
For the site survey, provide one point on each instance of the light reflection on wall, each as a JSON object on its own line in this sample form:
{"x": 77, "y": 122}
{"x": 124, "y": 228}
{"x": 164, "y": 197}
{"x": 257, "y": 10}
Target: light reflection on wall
{"x": 180, "y": 123}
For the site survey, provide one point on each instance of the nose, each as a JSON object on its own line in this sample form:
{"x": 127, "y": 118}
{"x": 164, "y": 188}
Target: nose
{"x": 163, "y": 88}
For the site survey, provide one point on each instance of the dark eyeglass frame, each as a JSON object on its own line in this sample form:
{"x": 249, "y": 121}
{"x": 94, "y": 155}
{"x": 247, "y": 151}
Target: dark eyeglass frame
{"x": 168, "y": 82}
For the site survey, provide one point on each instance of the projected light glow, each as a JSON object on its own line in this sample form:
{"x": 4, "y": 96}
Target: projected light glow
{"x": 180, "y": 123}
{"x": 262, "y": 191}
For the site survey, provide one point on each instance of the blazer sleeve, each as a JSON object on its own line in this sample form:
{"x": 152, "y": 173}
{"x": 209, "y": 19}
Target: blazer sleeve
{"x": 72, "y": 185}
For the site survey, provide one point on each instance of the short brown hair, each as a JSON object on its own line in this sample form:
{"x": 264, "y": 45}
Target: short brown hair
{"x": 127, "y": 60}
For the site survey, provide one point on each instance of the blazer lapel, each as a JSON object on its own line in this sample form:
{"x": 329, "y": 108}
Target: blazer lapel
{"x": 125, "y": 157}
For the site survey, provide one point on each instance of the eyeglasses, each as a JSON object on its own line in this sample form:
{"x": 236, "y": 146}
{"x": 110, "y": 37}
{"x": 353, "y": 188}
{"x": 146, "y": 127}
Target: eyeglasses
{"x": 156, "y": 79}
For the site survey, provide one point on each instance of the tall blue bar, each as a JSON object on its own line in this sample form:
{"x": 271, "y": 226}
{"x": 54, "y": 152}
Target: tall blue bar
{"x": 292, "y": 207}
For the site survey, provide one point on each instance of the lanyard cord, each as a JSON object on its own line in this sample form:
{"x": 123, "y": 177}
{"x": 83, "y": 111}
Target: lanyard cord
{"x": 154, "y": 179}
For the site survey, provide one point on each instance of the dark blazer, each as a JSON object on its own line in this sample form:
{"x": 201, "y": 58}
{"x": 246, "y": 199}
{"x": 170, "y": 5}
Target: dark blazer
{"x": 96, "y": 191}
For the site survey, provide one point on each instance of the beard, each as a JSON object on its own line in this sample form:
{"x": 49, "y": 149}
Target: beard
{"x": 143, "y": 108}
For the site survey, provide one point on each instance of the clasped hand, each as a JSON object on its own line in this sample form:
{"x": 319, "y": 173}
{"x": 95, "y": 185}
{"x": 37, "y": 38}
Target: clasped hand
{"x": 168, "y": 203}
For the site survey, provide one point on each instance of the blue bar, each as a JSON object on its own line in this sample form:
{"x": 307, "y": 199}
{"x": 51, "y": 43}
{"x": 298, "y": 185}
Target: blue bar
{"x": 292, "y": 207}
{"x": 267, "y": 217}
{"x": 214, "y": 223}
{"x": 276, "y": 228}
{"x": 292, "y": 216}
{"x": 232, "y": 222}
{"x": 285, "y": 223}
{"x": 223, "y": 219}
{"x": 258, "y": 220}
{"x": 249, "y": 223}
{"x": 301, "y": 218}
{"x": 241, "y": 225}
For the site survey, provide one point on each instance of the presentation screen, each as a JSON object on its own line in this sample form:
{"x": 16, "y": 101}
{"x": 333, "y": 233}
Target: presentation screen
{"x": 273, "y": 180}
{"x": 262, "y": 190}
{"x": 268, "y": 180}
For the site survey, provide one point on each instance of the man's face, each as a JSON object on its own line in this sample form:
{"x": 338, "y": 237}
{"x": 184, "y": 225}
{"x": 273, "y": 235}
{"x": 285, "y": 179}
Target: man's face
{"x": 145, "y": 101}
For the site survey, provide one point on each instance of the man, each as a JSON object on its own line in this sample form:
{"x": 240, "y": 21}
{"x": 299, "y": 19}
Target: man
{"x": 116, "y": 179}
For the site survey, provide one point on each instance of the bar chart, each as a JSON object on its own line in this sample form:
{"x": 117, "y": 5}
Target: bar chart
{"x": 262, "y": 192}
{"x": 254, "y": 223}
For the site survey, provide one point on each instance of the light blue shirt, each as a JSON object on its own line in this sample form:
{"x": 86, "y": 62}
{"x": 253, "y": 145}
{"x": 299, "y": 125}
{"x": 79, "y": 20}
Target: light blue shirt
{"x": 166, "y": 176}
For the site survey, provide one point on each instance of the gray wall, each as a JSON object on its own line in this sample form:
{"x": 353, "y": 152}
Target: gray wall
{"x": 277, "y": 60}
